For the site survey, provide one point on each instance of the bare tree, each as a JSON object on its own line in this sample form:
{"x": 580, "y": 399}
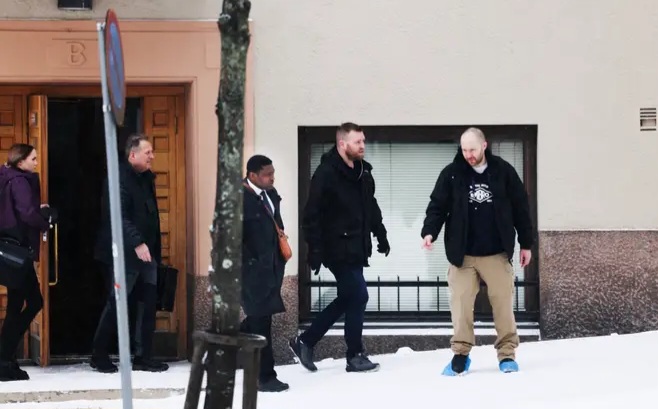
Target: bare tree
{"x": 223, "y": 342}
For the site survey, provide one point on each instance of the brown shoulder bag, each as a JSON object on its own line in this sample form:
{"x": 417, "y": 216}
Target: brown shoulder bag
{"x": 284, "y": 246}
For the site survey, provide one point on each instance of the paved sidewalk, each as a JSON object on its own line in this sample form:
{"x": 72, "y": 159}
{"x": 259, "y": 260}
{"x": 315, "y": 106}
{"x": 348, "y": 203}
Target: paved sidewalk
{"x": 77, "y": 386}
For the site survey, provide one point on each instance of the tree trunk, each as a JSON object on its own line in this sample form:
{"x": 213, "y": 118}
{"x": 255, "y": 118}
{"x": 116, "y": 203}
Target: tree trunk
{"x": 226, "y": 231}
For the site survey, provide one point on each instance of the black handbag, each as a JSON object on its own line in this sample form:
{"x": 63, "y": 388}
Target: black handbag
{"x": 15, "y": 261}
{"x": 167, "y": 283}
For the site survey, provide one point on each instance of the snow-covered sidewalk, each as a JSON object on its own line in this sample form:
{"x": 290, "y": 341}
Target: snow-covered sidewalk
{"x": 602, "y": 372}
{"x": 82, "y": 377}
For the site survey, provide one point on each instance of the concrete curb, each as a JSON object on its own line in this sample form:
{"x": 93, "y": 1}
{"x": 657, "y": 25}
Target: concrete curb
{"x": 88, "y": 395}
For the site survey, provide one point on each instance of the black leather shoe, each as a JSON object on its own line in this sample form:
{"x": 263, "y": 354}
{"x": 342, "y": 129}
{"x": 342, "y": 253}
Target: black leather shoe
{"x": 272, "y": 385}
{"x": 21, "y": 375}
{"x": 148, "y": 365}
{"x": 10, "y": 371}
{"x": 103, "y": 364}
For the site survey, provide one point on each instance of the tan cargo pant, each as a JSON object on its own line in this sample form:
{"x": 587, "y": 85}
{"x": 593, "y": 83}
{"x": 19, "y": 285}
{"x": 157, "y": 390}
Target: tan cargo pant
{"x": 497, "y": 272}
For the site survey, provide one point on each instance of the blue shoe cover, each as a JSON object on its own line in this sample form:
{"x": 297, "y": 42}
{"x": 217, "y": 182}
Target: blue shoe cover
{"x": 509, "y": 366}
{"x": 447, "y": 371}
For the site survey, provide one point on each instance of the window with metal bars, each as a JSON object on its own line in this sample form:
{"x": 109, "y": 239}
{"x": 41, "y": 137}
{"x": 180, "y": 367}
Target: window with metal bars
{"x": 412, "y": 283}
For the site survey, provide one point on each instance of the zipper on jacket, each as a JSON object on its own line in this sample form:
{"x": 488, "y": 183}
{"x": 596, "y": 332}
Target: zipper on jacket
{"x": 495, "y": 209}
{"x": 466, "y": 222}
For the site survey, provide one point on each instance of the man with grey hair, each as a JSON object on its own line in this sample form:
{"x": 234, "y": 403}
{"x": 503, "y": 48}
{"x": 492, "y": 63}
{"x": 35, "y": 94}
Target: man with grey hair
{"x": 142, "y": 250}
{"x": 483, "y": 204}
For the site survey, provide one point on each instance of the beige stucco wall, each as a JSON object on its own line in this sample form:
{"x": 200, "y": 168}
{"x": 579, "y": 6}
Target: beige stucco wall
{"x": 125, "y": 9}
{"x": 579, "y": 69}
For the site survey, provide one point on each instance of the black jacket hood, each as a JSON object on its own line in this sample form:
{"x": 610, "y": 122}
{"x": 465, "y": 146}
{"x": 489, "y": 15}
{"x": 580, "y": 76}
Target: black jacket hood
{"x": 333, "y": 158}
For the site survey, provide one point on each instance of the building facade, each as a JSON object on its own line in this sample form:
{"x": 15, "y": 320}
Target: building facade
{"x": 555, "y": 87}
{"x": 571, "y": 87}
{"x": 50, "y": 96}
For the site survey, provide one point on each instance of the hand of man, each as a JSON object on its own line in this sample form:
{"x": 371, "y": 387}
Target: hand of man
{"x": 315, "y": 261}
{"x": 49, "y": 214}
{"x": 143, "y": 253}
{"x": 525, "y": 257}
{"x": 427, "y": 242}
{"x": 383, "y": 246}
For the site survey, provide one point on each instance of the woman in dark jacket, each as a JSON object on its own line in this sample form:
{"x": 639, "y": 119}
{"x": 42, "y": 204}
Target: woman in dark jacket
{"x": 24, "y": 218}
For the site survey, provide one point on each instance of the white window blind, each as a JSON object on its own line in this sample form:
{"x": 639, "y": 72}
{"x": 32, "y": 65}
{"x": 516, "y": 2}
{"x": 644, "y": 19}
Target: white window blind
{"x": 405, "y": 174}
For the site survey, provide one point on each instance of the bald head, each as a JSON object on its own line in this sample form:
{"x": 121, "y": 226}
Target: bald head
{"x": 473, "y": 144}
{"x": 473, "y": 135}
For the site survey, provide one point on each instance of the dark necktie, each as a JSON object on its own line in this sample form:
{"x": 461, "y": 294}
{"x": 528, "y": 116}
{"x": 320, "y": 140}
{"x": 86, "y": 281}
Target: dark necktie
{"x": 267, "y": 202}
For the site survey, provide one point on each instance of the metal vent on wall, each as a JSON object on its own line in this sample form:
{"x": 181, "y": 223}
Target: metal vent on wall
{"x": 647, "y": 119}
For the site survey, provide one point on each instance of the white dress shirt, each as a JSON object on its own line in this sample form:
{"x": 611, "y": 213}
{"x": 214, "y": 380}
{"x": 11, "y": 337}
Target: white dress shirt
{"x": 258, "y": 192}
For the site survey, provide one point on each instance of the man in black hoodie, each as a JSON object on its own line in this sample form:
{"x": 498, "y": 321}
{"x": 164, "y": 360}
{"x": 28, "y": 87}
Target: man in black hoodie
{"x": 339, "y": 218}
{"x": 481, "y": 200}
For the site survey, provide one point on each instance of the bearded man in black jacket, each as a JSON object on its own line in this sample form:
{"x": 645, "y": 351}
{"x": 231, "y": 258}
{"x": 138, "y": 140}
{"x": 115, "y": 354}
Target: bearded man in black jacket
{"x": 483, "y": 204}
{"x": 340, "y": 216}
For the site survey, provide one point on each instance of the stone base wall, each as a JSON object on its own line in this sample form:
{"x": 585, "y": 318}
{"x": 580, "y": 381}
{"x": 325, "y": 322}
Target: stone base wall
{"x": 591, "y": 283}
{"x": 598, "y": 283}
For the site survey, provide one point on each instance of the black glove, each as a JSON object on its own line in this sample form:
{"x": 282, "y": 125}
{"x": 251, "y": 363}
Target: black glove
{"x": 315, "y": 261}
{"x": 49, "y": 214}
{"x": 382, "y": 246}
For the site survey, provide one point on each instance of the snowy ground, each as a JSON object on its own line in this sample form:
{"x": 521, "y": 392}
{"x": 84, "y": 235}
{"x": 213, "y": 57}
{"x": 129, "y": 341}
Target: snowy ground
{"x": 603, "y": 372}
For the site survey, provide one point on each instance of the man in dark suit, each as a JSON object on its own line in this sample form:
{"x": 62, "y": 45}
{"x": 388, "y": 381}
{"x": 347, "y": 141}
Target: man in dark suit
{"x": 262, "y": 263}
{"x": 142, "y": 251}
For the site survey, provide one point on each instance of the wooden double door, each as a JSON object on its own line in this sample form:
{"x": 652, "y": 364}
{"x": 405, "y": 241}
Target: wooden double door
{"x": 65, "y": 124}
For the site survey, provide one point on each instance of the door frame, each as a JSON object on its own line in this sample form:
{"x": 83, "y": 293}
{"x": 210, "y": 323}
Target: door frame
{"x": 137, "y": 90}
{"x": 92, "y": 90}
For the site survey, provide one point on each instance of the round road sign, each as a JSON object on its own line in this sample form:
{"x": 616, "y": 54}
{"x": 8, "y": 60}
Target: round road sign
{"x": 116, "y": 76}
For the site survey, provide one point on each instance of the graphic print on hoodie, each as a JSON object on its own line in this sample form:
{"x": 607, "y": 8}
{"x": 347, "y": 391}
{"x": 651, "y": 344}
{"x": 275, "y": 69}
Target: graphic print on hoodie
{"x": 483, "y": 238}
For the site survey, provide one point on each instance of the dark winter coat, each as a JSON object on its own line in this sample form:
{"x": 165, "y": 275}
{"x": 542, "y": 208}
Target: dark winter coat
{"x": 449, "y": 205}
{"x": 20, "y": 203}
{"x": 262, "y": 264}
{"x": 342, "y": 212}
{"x": 141, "y": 219}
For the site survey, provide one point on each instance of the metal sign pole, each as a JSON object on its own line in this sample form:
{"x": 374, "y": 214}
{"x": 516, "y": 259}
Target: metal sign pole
{"x": 117, "y": 230}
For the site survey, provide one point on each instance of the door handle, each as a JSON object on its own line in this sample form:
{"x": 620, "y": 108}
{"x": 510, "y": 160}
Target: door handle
{"x": 56, "y": 254}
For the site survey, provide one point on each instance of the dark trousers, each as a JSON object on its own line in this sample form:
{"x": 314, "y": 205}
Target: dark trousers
{"x": 262, "y": 326}
{"x": 351, "y": 301}
{"x": 141, "y": 284}
{"x": 18, "y": 319}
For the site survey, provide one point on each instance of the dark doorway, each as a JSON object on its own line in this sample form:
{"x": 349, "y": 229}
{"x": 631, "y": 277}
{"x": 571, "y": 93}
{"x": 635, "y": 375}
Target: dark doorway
{"x": 76, "y": 171}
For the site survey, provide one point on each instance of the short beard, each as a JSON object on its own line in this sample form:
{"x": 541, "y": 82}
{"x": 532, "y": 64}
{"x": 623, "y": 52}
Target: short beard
{"x": 353, "y": 156}
{"x": 480, "y": 161}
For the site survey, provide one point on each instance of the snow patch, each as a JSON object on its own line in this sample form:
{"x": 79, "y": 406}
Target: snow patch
{"x": 566, "y": 374}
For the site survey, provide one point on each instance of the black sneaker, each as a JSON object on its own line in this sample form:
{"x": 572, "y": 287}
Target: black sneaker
{"x": 103, "y": 364}
{"x": 148, "y": 365}
{"x": 304, "y": 353}
{"x": 361, "y": 363}
{"x": 272, "y": 385}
